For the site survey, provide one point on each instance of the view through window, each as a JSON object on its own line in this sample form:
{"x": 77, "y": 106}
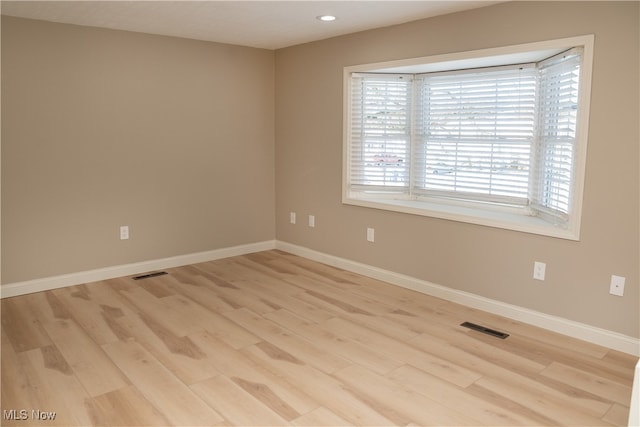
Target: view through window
{"x": 505, "y": 138}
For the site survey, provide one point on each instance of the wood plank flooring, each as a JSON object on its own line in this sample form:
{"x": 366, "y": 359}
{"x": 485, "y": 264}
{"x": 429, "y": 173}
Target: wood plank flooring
{"x": 275, "y": 339}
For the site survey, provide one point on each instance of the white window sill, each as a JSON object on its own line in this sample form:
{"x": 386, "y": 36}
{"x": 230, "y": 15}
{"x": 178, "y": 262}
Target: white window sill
{"x": 485, "y": 217}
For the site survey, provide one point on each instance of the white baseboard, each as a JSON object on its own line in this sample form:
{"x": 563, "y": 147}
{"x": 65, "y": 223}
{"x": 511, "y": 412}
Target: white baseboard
{"x": 48, "y": 283}
{"x": 563, "y": 326}
{"x": 567, "y": 327}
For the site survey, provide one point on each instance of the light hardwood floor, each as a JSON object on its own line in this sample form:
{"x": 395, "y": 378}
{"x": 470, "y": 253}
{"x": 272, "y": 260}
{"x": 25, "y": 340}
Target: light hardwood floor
{"x": 275, "y": 339}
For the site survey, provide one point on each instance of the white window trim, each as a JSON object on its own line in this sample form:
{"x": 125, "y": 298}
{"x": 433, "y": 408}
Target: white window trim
{"x": 529, "y": 52}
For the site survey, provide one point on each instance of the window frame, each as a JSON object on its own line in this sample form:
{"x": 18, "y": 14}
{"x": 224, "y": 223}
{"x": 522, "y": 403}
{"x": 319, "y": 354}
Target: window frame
{"x": 510, "y": 218}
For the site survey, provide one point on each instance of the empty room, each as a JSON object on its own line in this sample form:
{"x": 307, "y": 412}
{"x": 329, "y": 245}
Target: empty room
{"x": 320, "y": 213}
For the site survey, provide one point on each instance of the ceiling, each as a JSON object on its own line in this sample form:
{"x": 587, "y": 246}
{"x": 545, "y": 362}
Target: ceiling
{"x": 262, "y": 24}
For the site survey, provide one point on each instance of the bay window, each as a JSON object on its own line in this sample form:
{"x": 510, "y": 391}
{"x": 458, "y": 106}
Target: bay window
{"x": 496, "y": 137}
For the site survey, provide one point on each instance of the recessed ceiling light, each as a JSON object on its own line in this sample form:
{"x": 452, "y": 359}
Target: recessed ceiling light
{"x": 326, "y": 18}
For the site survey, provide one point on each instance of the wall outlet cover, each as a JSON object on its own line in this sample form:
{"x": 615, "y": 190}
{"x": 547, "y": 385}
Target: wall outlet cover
{"x": 539, "y": 270}
{"x": 371, "y": 234}
{"x": 617, "y": 285}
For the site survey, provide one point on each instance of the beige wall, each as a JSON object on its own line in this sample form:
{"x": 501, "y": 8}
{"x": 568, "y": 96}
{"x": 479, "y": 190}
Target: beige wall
{"x": 490, "y": 262}
{"x": 102, "y": 128}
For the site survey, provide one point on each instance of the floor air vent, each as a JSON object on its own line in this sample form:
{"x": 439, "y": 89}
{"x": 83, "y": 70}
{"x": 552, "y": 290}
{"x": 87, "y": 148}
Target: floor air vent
{"x": 149, "y": 275}
{"x": 484, "y": 330}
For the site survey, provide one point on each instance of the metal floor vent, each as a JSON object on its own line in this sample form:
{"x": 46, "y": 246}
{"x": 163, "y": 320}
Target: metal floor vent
{"x": 484, "y": 330}
{"x": 149, "y": 275}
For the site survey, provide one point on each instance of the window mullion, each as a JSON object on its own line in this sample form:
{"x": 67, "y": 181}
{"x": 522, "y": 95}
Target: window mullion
{"x": 415, "y": 138}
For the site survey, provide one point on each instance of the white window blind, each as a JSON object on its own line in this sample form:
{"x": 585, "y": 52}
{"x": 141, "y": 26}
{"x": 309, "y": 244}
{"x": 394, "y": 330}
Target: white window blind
{"x": 558, "y": 101}
{"x": 475, "y": 130}
{"x": 380, "y": 132}
{"x": 500, "y": 145}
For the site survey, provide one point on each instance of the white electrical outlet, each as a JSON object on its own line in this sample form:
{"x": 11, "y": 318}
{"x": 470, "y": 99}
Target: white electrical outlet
{"x": 292, "y": 217}
{"x": 617, "y": 285}
{"x": 371, "y": 234}
{"x": 312, "y": 221}
{"x": 539, "y": 269}
{"x": 124, "y": 232}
